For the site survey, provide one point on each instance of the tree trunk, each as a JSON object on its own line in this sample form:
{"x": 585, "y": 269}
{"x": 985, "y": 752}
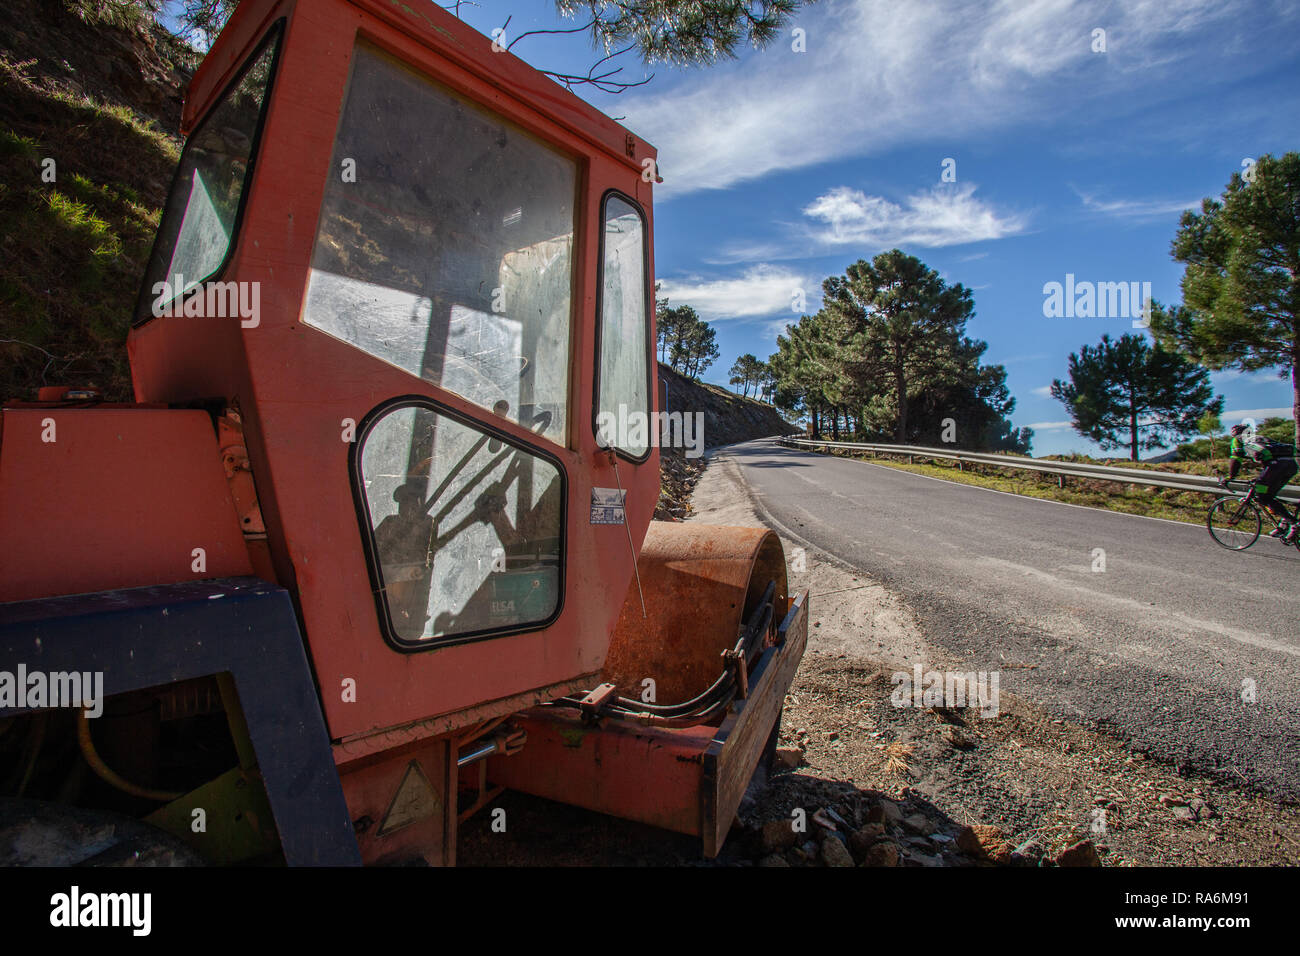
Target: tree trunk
{"x": 900, "y": 386}
{"x": 1132, "y": 421}
{"x": 835, "y": 424}
{"x": 1295, "y": 391}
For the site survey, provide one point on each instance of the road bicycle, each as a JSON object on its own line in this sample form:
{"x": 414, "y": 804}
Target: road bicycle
{"x": 1235, "y": 520}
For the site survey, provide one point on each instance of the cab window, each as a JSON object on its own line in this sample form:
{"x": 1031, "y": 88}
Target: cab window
{"x": 445, "y": 245}
{"x": 207, "y": 195}
{"x": 623, "y": 365}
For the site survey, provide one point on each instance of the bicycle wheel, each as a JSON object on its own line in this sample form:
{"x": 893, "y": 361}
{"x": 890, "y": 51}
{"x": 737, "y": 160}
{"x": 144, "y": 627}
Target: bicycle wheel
{"x": 1234, "y": 523}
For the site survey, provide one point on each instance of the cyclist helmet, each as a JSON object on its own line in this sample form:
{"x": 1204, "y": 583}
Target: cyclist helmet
{"x": 1236, "y": 430}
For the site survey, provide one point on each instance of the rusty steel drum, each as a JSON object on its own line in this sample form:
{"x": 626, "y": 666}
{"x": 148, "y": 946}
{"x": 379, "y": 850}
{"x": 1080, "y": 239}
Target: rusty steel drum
{"x": 701, "y": 583}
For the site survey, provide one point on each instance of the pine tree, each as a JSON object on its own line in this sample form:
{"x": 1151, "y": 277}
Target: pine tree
{"x": 1132, "y": 393}
{"x": 907, "y": 323}
{"x": 1241, "y": 288}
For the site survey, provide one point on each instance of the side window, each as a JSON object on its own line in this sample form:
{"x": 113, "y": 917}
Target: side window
{"x": 464, "y": 528}
{"x": 207, "y": 194}
{"x": 623, "y": 365}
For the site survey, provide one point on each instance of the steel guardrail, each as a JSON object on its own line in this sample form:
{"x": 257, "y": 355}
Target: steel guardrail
{"x": 1133, "y": 476}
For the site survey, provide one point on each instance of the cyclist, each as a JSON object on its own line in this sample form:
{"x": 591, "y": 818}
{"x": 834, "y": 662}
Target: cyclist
{"x": 1277, "y": 468}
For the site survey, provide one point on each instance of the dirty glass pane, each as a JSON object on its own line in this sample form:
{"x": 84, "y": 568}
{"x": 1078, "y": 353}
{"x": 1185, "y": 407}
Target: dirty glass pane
{"x": 467, "y": 528}
{"x": 198, "y": 223}
{"x": 624, "y": 339}
{"x": 446, "y": 245}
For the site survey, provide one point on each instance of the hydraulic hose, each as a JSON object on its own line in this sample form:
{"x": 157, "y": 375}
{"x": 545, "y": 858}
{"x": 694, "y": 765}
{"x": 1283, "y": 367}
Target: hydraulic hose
{"x": 107, "y": 774}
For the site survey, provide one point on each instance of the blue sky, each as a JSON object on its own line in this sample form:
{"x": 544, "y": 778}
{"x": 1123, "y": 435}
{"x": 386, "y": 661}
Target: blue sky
{"x": 781, "y": 167}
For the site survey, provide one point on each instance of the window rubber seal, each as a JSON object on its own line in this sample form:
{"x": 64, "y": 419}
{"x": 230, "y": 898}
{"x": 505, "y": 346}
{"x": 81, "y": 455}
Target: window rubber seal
{"x": 371, "y": 550}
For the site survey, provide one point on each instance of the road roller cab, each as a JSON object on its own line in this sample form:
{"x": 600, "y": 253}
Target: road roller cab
{"x": 399, "y": 279}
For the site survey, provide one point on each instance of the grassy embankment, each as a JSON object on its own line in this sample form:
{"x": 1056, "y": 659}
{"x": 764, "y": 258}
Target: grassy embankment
{"x": 82, "y": 181}
{"x": 1167, "y": 503}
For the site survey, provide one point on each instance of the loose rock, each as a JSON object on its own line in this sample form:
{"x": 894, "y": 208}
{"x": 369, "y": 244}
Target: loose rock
{"x": 890, "y": 813}
{"x": 1082, "y": 853}
{"x": 862, "y": 840}
{"x": 834, "y": 853}
{"x": 823, "y": 819}
{"x": 981, "y": 840}
{"x": 924, "y": 859}
{"x": 777, "y": 835}
{"x": 788, "y": 758}
{"x": 884, "y": 853}
{"x": 1028, "y": 853}
{"x": 919, "y": 823}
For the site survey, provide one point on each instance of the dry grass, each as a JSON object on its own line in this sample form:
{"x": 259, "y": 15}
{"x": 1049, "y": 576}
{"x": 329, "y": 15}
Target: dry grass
{"x": 896, "y": 759}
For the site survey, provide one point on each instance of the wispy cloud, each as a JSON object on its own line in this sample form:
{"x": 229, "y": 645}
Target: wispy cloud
{"x": 879, "y": 74}
{"x": 1135, "y": 208}
{"x": 1043, "y": 391}
{"x": 1259, "y": 414}
{"x": 1049, "y": 426}
{"x": 1241, "y": 377}
{"x": 941, "y": 216}
{"x": 946, "y": 215}
{"x": 762, "y": 290}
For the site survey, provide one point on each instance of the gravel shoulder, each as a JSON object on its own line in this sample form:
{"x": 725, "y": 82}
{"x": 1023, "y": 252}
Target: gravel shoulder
{"x": 1035, "y": 778}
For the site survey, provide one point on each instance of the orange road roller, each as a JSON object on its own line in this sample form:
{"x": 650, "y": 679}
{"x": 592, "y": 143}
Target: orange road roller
{"x": 361, "y": 553}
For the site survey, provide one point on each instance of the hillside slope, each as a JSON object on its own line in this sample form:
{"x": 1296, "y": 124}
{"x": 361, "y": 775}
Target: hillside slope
{"x": 89, "y": 109}
{"x": 728, "y": 418}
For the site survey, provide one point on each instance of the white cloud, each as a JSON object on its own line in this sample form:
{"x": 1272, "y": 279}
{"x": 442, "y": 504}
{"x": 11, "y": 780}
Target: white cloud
{"x": 1049, "y": 426}
{"x": 1259, "y": 414}
{"x": 761, "y": 290}
{"x": 1136, "y": 208}
{"x": 1043, "y": 391}
{"x": 878, "y": 74}
{"x": 941, "y": 216}
{"x": 1239, "y": 376}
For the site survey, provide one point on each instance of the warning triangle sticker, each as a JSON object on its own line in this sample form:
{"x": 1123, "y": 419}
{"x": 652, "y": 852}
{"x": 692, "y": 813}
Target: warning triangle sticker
{"x": 415, "y": 799}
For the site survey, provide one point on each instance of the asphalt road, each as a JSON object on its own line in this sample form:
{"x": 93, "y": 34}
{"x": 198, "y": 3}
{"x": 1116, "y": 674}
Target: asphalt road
{"x": 1157, "y": 649}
